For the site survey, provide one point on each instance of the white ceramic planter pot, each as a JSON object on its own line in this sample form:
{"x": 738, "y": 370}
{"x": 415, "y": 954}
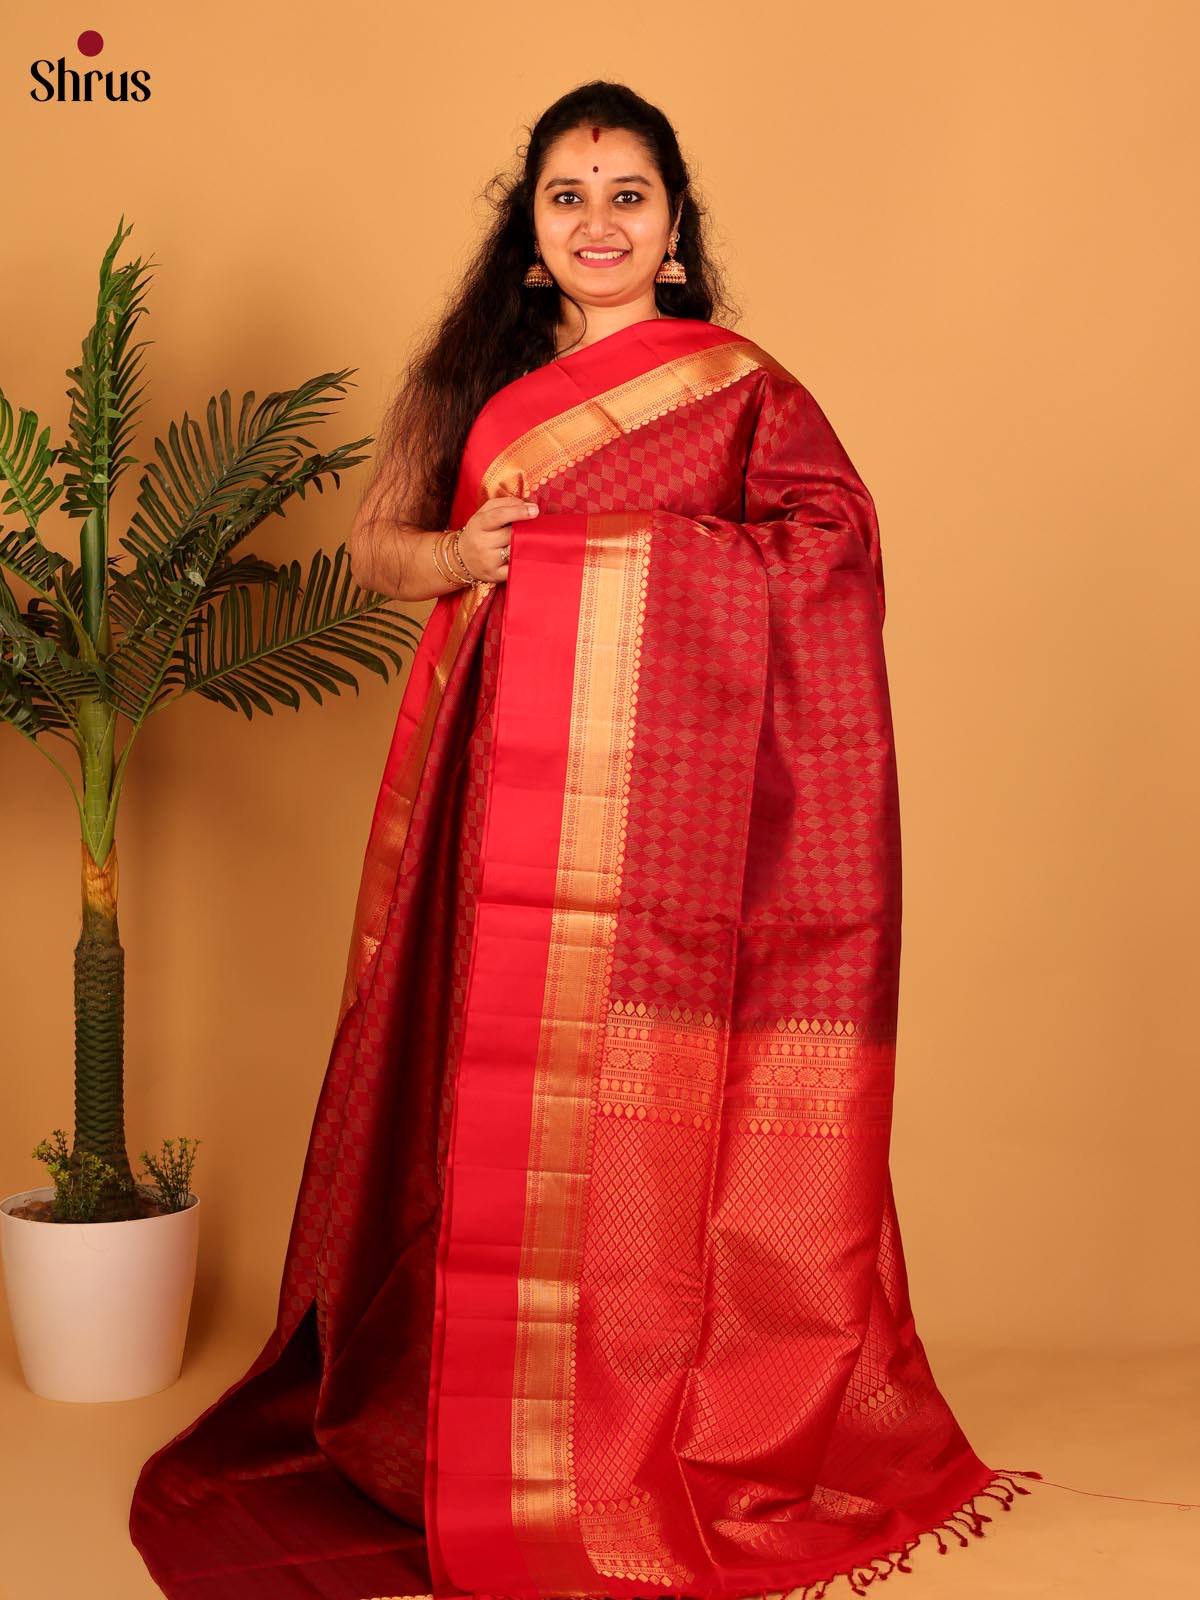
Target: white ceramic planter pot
{"x": 99, "y": 1309}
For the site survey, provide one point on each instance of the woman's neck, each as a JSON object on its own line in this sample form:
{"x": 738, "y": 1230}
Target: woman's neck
{"x": 601, "y": 321}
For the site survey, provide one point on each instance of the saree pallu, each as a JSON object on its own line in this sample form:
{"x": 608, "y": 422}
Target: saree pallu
{"x": 595, "y": 1284}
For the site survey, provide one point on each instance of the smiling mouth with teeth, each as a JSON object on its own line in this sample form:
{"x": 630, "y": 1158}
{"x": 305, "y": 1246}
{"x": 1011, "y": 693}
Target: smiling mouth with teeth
{"x": 600, "y": 255}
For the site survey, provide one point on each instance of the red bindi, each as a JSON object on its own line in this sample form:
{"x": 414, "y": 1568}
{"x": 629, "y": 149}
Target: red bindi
{"x": 595, "y": 169}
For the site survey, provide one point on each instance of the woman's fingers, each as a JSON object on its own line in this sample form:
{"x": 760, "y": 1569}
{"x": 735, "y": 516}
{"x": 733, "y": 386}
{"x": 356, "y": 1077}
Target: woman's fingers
{"x": 489, "y": 531}
{"x": 504, "y": 509}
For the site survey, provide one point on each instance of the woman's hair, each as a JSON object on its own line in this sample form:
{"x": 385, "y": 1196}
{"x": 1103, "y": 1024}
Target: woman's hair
{"x": 495, "y": 329}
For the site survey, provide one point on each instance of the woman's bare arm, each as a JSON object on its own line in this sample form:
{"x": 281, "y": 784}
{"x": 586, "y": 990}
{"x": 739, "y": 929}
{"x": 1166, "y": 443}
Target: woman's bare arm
{"x": 395, "y": 558}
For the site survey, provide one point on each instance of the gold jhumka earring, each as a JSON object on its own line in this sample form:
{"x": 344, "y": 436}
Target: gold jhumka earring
{"x": 537, "y": 275}
{"x": 671, "y": 271}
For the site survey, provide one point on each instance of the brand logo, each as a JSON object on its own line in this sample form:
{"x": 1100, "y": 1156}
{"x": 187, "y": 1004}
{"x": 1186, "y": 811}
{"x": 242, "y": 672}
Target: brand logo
{"x": 55, "y": 80}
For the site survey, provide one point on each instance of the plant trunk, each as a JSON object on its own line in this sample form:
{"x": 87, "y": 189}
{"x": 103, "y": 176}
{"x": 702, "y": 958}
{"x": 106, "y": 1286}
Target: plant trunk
{"x": 100, "y": 1036}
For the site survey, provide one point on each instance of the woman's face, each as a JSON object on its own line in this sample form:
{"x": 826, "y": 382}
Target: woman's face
{"x": 601, "y": 216}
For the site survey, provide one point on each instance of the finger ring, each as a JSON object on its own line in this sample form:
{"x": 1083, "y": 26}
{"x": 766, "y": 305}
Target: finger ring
{"x": 504, "y": 554}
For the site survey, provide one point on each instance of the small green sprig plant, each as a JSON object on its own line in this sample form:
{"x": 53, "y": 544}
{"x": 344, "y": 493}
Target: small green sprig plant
{"x": 172, "y": 1172}
{"x": 79, "y": 1184}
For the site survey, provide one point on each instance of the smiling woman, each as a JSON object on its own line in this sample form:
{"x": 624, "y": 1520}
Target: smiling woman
{"x": 602, "y": 234}
{"x": 602, "y": 228}
{"x": 595, "y": 1284}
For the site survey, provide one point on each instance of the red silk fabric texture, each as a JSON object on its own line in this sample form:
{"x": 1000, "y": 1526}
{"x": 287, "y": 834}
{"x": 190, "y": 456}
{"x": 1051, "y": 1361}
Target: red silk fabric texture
{"x": 595, "y": 1285}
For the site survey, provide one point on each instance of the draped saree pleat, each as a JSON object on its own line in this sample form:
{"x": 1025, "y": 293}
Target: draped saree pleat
{"x": 595, "y": 1284}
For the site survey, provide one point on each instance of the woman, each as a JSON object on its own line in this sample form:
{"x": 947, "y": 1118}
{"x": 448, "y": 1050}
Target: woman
{"x": 595, "y": 1285}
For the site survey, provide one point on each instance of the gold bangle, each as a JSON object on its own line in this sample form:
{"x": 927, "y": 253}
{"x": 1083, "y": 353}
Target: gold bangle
{"x": 458, "y": 556}
{"x": 454, "y": 576}
{"x": 440, "y": 554}
{"x": 433, "y": 550}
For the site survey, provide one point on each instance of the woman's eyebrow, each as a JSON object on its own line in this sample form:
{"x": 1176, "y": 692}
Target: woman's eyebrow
{"x": 630, "y": 177}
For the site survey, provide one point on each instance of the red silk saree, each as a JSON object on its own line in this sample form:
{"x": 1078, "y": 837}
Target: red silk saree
{"x": 595, "y": 1285}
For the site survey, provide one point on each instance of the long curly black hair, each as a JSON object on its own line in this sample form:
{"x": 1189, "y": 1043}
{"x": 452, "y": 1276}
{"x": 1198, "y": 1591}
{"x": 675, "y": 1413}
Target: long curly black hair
{"x": 494, "y": 329}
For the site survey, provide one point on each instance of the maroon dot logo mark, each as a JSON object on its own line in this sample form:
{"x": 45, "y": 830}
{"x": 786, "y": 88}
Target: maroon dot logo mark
{"x": 89, "y": 43}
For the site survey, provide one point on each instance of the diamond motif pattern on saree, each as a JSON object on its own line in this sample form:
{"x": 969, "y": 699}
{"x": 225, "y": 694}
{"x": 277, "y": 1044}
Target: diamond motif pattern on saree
{"x": 668, "y": 464}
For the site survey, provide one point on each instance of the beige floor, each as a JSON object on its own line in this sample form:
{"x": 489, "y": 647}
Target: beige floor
{"x": 1125, "y": 1424}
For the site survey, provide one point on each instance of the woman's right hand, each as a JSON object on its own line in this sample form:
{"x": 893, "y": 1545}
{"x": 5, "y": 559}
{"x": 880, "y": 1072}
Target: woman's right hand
{"x": 489, "y": 531}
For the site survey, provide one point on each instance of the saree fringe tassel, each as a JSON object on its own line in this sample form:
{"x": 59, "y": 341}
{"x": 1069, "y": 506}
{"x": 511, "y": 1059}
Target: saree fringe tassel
{"x": 967, "y": 1517}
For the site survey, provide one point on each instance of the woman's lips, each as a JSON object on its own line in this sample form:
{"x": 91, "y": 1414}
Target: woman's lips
{"x": 610, "y": 261}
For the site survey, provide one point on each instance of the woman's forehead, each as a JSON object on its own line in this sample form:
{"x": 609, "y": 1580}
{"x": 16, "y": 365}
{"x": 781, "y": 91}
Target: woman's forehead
{"x": 591, "y": 146}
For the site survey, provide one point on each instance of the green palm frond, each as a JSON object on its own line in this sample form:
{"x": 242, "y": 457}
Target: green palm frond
{"x": 237, "y": 475}
{"x": 46, "y": 572}
{"x": 17, "y": 706}
{"x": 264, "y": 642}
{"x": 130, "y": 599}
{"x": 157, "y": 605}
{"x": 198, "y": 502}
{"x": 41, "y": 683}
{"x": 241, "y": 569}
{"x": 54, "y": 580}
{"x": 102, "y": 394}
{"x": 25, "y": 459}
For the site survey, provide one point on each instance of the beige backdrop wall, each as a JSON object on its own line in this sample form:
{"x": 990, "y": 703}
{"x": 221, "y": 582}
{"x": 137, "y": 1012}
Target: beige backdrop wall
{"x": 965, "y": 228}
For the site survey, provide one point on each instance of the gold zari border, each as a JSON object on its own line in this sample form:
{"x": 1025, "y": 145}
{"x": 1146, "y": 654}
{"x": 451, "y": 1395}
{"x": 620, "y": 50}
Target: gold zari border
{"x": 550, "y": 448}
{"x": 587, "y": 892}
{"x": 809, "y": 1075}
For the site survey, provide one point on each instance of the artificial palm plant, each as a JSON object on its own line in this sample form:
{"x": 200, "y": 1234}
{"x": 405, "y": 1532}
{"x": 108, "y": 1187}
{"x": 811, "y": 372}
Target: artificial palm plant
{"x": 100, "y": 646}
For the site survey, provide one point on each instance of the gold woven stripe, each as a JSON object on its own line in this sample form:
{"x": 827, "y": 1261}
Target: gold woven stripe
{"x": 587, "y": 893}
{"x": 558, "y": 443}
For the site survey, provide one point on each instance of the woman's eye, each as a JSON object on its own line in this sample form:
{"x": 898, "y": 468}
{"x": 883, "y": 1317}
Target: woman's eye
{"x": 625, "y": 194}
